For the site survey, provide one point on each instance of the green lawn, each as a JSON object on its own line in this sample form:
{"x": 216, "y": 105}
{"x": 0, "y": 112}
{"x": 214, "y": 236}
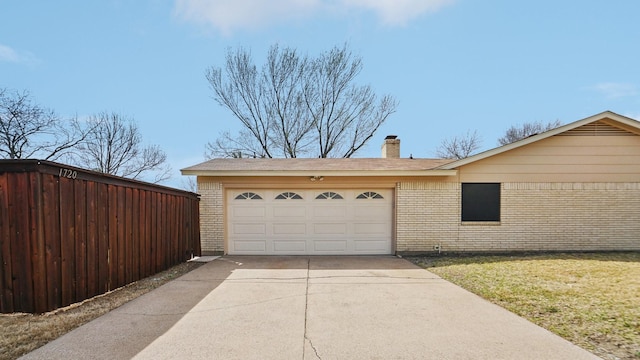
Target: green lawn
{"x": 592, "y": 300}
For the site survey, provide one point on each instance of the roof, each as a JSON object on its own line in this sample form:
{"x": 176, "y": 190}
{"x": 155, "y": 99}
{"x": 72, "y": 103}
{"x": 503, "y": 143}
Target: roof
{"x": 383, "y": 166}
{"x": 610, "y": 117}
{"x": 313, "y": 166}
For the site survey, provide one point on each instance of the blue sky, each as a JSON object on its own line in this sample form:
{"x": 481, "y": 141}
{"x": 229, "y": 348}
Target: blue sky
{"x": 453, "y": 65}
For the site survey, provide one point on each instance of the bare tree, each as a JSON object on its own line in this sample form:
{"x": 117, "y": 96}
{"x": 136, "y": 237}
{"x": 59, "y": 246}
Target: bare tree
{"x": 189, "y": 183}
{"x": 459, "y": 147}
{"x": 28, "y": 130}
{"x": 296, "y": 106}
{"x": 515, "y": 133}
{"x": 114, "y": 146}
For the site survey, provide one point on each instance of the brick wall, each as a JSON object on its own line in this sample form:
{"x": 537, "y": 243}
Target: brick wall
{"x": 211, "y": 217}
{"x": 534, "y": 217}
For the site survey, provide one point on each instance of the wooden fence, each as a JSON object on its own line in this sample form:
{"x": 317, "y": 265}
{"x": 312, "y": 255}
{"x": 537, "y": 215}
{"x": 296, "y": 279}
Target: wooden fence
{"x": 68, "y": 234}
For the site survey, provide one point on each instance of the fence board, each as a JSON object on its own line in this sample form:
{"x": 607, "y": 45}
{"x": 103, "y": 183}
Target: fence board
{"x": 102, "y": 208}
{"x": 50, "y": 195}
{"x": 120, "y": 237}
{"x": 38, "y": 256}
{"x": 92, "y": 263}
{"x": 128, "y": 237}
{"x": 80, "y": 226}
{"x": 112, "y": 257}
{"x": 67, "y": 240}
{"x": 135, "y": 231}
{"x": 6, "y": 293}
{"x": 144, "y": 243}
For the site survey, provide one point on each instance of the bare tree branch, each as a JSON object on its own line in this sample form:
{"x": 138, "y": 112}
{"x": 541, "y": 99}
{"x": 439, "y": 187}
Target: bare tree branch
{"x": 296, "y": 106}
{"x": 515, "y": 133}
{"x": 459, "y": 147}
{"x": 114, "y": 146}
{"x": 28, "y": 130}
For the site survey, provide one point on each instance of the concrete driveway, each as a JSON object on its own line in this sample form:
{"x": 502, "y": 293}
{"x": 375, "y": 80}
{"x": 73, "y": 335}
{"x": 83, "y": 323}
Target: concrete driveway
{"x": 378, "y": 307}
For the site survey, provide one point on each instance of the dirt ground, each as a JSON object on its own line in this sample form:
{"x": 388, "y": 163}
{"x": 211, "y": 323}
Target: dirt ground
{"x": 21, "y": 333}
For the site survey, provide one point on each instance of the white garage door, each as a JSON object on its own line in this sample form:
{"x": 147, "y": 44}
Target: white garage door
{"x": 309, "y": 222}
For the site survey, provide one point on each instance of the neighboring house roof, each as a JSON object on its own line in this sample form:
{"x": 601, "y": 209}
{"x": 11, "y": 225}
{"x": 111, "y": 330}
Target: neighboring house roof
{"x": 607, "y": 117}
{"x": 313, "y": 166}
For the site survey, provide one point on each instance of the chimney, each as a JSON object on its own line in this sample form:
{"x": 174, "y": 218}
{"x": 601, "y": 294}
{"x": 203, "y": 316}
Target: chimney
{"x": 391, "y": 147}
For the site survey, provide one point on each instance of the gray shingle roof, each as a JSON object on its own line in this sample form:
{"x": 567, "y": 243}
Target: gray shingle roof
{"x": 300, "y": 164}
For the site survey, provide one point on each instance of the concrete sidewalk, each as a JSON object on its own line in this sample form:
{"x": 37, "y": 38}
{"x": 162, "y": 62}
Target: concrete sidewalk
{"x": 310, "y": 308}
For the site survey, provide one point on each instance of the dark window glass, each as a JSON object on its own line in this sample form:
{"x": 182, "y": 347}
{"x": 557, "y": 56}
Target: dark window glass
{"x": 248, "y": 196}
{"x": 480, "y": 202}
{"x": 329, "y": 195}
{"x": 369, "y": 195}
{"x": 288, "y": 195}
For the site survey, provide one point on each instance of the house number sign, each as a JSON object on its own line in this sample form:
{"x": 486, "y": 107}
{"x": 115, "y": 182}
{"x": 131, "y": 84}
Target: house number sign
{"x": 68, "y": 173}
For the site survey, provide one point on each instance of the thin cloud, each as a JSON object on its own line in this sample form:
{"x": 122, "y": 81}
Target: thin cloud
{"x": 8, "y": 54}
{"x": 398, "y": 12}
{"x": 614, "y": 90}
{"x": 227, "y": 16}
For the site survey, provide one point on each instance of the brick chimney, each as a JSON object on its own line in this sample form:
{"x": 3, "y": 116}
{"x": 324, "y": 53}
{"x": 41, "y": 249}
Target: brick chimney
{"x": 391, "y": 147}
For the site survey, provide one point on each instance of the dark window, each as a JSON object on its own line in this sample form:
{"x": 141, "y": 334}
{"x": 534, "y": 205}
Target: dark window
{"x": 480, "y": 202}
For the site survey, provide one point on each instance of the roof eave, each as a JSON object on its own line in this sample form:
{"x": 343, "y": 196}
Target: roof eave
{"x": 343, "y": 173}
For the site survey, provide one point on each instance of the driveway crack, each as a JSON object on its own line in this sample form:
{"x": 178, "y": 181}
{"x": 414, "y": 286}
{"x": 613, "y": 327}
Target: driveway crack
{"x": 306, "y": 312}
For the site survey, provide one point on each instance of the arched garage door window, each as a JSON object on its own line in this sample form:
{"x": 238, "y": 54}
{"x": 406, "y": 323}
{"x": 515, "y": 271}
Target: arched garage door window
{"x": 248, "y": 196}
{"x": 369, "y": 195}
{"x": 288, "y": 196}
{"x": 329, "y": 195}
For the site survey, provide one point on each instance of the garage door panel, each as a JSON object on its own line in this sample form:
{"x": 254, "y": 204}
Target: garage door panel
{"x": 371, "y": 245}
{"x": 330, "y": 211}
{"x": 330, "y": 245}
{"x": 290, "y": 246}
{"x": 316, "y": 222}
{"x": 249, "y": 211}
{"x": 371, "y": 211}
{"x": 370, "y": 229}
{"x": 335, "y": 228}
{"x": 250, "y": 246}
{"x": 289, "y": 229}
{"x": 250, "y": 229}
{"x": 290, "y": 211}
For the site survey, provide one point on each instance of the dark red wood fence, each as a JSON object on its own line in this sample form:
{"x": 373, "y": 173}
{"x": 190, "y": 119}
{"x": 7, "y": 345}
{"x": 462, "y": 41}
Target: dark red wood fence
{"x": 68, "y": 234}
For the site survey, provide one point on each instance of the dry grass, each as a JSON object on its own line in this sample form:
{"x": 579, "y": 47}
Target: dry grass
{"x": 21, "y": 333}
{"x": 592, "y": 300}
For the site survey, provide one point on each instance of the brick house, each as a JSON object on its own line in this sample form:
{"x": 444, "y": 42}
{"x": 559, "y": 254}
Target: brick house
{"x": 574, "y": 188}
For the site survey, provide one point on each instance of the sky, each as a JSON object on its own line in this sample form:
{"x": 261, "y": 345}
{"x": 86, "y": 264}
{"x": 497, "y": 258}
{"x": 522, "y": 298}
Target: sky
{"x": 453, "y": 65}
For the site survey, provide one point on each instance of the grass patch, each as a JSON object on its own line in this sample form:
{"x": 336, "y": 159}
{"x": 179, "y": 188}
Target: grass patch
{"x": 21, "y": 333}
{"x": 592, "y": 300}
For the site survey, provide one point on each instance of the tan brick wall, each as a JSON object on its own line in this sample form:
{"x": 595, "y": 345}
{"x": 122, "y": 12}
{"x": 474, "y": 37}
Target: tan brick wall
{"x": 534, "y": 217}
{"x": 211, "y": 217}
